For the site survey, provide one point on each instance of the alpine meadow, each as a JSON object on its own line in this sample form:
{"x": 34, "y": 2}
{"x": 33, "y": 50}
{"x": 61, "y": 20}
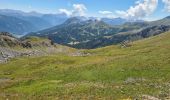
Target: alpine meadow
{"x": 84, "y": 50}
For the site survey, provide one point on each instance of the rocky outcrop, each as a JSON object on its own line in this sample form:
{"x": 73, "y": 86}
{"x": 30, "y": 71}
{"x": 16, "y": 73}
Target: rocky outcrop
{"x": 11, "y": 47}
{"x": 7, "y": 40}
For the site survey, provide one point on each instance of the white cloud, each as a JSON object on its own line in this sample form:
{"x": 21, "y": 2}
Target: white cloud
{"x": 78, "y": 10}
{"x": 167, "y": 5}
{"x": 138, "y": 1}
{"x": 65, "y": 11}
{"x": 140, "y": 10}
{"x": 105, "y": 12}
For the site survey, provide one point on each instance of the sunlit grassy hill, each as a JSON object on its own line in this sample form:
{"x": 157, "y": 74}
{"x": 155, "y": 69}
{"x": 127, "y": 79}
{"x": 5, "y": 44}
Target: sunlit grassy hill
{"x": 113, "y": 73}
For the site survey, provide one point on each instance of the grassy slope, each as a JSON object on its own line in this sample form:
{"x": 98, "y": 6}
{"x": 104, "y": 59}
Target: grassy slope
{"x": 109, "y": 73}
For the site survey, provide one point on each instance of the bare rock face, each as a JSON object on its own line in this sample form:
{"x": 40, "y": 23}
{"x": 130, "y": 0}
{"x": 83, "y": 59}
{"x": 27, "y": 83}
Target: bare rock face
{"x": 6, "y": 54}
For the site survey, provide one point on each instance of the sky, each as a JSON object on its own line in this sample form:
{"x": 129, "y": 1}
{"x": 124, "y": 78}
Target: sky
{"x": 129, "y": 9}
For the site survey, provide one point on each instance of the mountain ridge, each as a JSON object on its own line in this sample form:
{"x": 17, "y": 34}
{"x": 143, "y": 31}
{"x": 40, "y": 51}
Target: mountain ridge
{"x": 75, "y": 30}
{"x": 79, "y": 33}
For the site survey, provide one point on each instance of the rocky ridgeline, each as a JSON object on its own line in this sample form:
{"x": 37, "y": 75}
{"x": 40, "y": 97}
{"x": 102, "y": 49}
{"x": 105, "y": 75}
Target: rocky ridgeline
{"x": 8, "y": 53}
{"x": 11, "y": 47}
{"x": 7, "y": 40}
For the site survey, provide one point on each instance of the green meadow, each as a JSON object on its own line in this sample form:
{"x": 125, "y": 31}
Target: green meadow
{"x": 109, "y": 73}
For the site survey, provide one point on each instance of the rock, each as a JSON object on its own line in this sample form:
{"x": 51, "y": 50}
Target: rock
{"x": 132, "y": 80}
{"x": 148, "y": 97}
{"x": 2, "y": 80}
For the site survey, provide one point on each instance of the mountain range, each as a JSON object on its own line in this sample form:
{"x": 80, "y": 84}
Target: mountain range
{"x": 34, "y": 21}
{"x": 93, "y": 33}
{"x": 31, "y": 21}
{"x": 79, "y": 32}
{"x": 75, "y": 30}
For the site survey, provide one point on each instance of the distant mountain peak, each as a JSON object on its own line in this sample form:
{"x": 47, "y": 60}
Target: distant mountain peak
{"x": 114, "y": 21}
{"x": 73, "y": 20}
{"x": 168, "y": 17}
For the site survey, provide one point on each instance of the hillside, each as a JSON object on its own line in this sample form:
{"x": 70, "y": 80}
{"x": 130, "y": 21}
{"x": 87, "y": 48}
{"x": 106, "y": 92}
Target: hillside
{"x": 15, "y": 25}
{"x": 19, "y": 23}
{"x": 164, "y": 21}
{"x": 79, "y": 32}
{"x": 138, "y": 71}
{"x": 7, "y": 40}
{"x": 124, "y": 36}
{"x": 12, "y": 47}
{"x": 75, "y": 30}
{"x": 114, "y": 21}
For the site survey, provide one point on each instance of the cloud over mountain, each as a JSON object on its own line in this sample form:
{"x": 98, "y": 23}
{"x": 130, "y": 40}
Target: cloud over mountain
{"x": 65, "y": 11}
{"x": 107, "y": 14}
{"x": 167, "y": 5}
{"x": 140, "y": 10}
{"x": 78, "y": 10}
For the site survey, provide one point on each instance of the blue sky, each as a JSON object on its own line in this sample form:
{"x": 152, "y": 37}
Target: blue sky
{"x": 152, "y": 10}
